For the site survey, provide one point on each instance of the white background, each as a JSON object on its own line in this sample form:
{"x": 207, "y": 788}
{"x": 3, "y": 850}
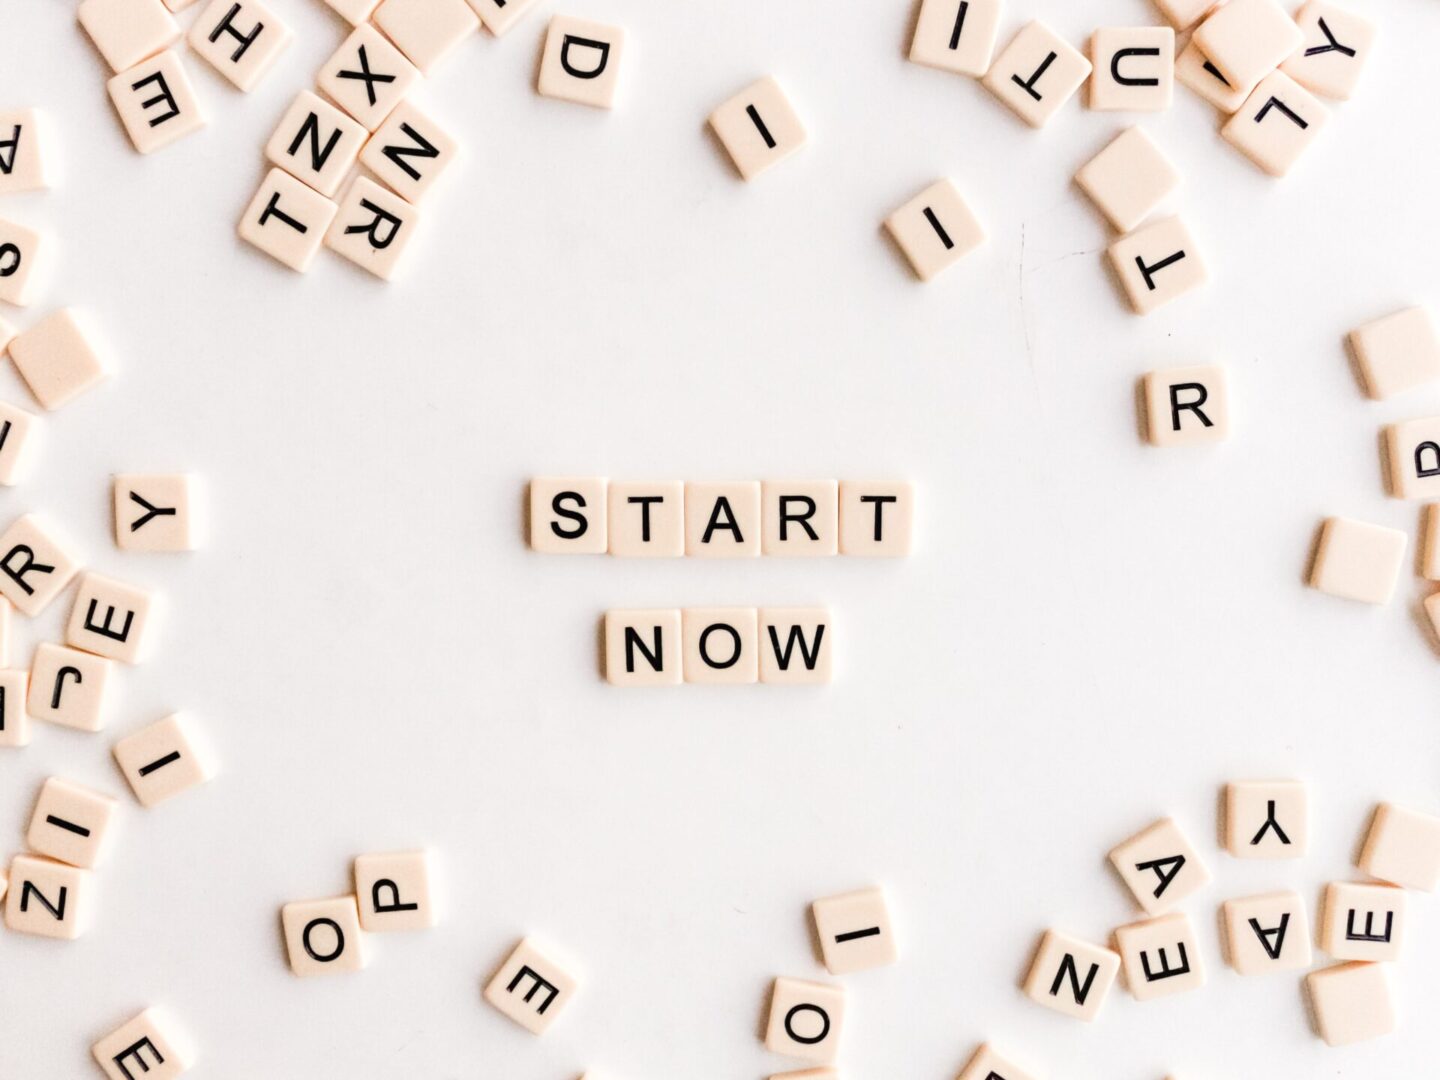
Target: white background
{"x": 1093, "y": 633}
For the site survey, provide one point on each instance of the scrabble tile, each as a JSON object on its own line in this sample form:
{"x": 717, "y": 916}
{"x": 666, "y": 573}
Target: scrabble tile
{"x": 935, "y": 229}
{"x": 1397, "y": 353}
{"x": 7, "y": 630}
{"x": 323, "y": 936}
{"x": 127, "y": 31}
{"x": 110, "y": 619}
{"x": 1266, "y": 934}
{"x": 156, "y": 511}
{"x": 1037, "y": 73}
{"x": 799, "y": 517}
{"x": 1194, "y": 69}
{"x": 151, "y": 1045}
{"x": 1335, "y": 49}
{"x": 48, "y": 898}
{"x": 36, "y": 564}
{"x": 426, "y": 30}
{"x": 854, "y": 931}
{"x": 178, "y": 5}
{"x": 500, "y": 15}
{"x": 1355, "y": 560}
{"x": 393, "y": 891}
{"x": 287, "y": 220}
{"x": 796, "y": 646}
{"x": 19, "y": 437}
{"x": 1186, "y": 406}
{"x": 1412, "y": 451}
{"x": 1183, "y": 14}
{"x": 1160, "y": 866}
{"x": 4, "y": 883}
{"x": 1161, "y": 957}
{"x": 722, "y": 519}
{"x": 647, "y": 519}
{"x": 409, "y": 152}
{"x": 14, "y": 720}
{"x": 643, "y": 647}
{"x": 156, "y": 102}
{"x": 1267, "y": 819}
{"x": 1430, "y": 563}
{"x": 877, "y": 518}
{"x": 721, "y": 645}
{"x": 163, "y": 759}
{"x": 241, "y": 39}
{"x": 988, "y": 1064}
{"x": 373, "y": 228}
{"x": 581, "y": 61}
{"x": 26, "y": 151}
{"x": 1128, "y": 179}
{"x": 1403, "y": 848}
{"x": 67, "y": 687}
{"x": 956, "y": 35}
{"x": 1352, "y": 1003}
{"x": 58, "y": 358}
{"x": 1277, "y": 123}
{"x": 567, "y": 515}
{"x": 1157, "y": 263}
{"x": 806, "y": 1020}
{"x": 1248, "y": 39}
{"x": 355, "y": 12}
{"x": 1363, "y": 921}
{"x": 1134, "y": 68}
{"x": 367, "y": 76}
{"x": 758, "y": 127}
{"x": 533, "y": 987}
{"x": 7, "y": 335}
{"x": 72, "y": 824}
{"x": 22, "y": 253}
{"x": 1071, "y": 976}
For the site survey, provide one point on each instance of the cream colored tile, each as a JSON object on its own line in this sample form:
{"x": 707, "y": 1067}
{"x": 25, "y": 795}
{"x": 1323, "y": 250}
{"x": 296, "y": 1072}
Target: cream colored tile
{"x": 877, "y": 518}
{"x": 799, "y": 517}
{"x": 581, "y": 61}
{"x": 127, "y": 31}
{"x": 355, "y": 12}
{"x": 758, "y": 127}
{"x": 373, "y": 228}
{"x": 316, "y": 142}
{"x": 1194, "y": 70}
{"x": 27, "y": 151}
{"x": 1352, "y": 1003}
{"x": 151, "y": 1045}
{"x": 1397, "y": 353}
{"x": 855, "y": 931}
{"x": 1248, "y": 39}
{"x": 500, "y": 15}
{"x": 956, "y": 35}
{"x": 533, "y": 987}
{"x": 393, "y": 890}
{"x": 647, "y": 519}
{"x": 1413, "y": 457}
{"x": 67, "y": 687}
{"x": 1160, "y": 866}
{"x": 567, "y": 515}
{"x": 1128, "y": 179}
{"x": 825, "y": 1072}
{"x": 23, "y": 254}
{"x": 722, "y": 519}
{"x": 241, "y": 39}
{"x": 1071, "y": 976}
{"x": 156, "y": 511}
{"x": 721, "y": 646}
{"x": 367, "y": 76}
{"x": 1183, "y": 14}
{"x": 797, "y": 646}
{"x": 1277, "y": 123}
{"x": 287, "y": 220}
{"x": 1134, "y": 68}
{"x": 72, "y": 824}
{"x": 1161, "y": 957}
{"x": 1356, "y": 560}
{"x": 1267, "y": 819}
{"x": 48, "y": 898}
{"x": 1336, "y": 47}
{"x": 426, "y": 30}
{"x": 59, "y": 358}
{"x": 14, "y": 720}
{"x": 1403, "y": 848}
{"x": 1157, "y": 263}
{"x": 156, "y": 102}
{"x": 1037, "y": 73}
{"x": 19, "y": 442}
{"x": 935, "y": 229}
{"x": 806, "y": 1020}
{"x": 409, "y": 152}
{"x": 1187, "y": 406}
{"x": 110, "y": 619}
{"x": 988, "y": 1064}
{"x": 643, "y": 647}
{"x": 1430, "y": 565}
{"x": 1268, "y": 933}
{"x": 163, "y": 759}
{"x": 36, "y": 565}
{"x": 323, "y": 936}
{"x": 1363, "y": 921}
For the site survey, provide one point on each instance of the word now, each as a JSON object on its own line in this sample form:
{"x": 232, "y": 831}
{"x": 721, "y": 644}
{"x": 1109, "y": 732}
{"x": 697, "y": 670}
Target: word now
{"x": 666, "y": 647}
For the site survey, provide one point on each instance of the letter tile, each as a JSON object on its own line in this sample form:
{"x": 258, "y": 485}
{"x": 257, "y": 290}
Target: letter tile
{"x": 163, "y": 759}
{"x": 956, "y": 35}
{"x": 1185, "y": 406}
{"x": 1248, "y": 39}
{"x": 1267, "y": 819}
{"x": 287, "y": 220}
{"x": 156, "y": 103}
{"x": 1363, "y": 921}
{"x": 367, "y": 76}
{"x": 426, "y": 30}
{"x": 1161, "y": 957}
{"x": 22, "y": 253}
{"x": 1335, "y": 50}
{"x": 1266, "y": 934}
{"x": 110, "y": 619}
{"x": 241, "y": 39}
{"x": 323, "y": 936}
{"x": 1430, "y": 565}
{"x": 7, "y": 630}
{"x": 1277, "y": 123}
{"x": 854, "y": 931}
{"x": 393, "y": 891}
{"x": 67, "y": 687}
{"x": 1134, "y": 68}
{"x": 1352, "y": 1003}
{"x": 373, "y": 228}
{"x": 1128, "y": 179}
{"x": 722, "y": 519}
{"x": 799, "y": 517}
{"x": 643, "y": 648}
{"x": 14, "y": 720}
{"x": 1037, "y": 73}
{"x": 355, "y": 12}
{"x": 1403, "y": 848}
{"x": 1160, "y": 866}
{"x": 1413, "y": 455}
{"x": 1397, "y": 353}
{"x": 567, "y": 515}
{"x": 647, "y": 519}
{"x": 48, "y": 898}
{"x": 988, "y": 1064}
{"x": 58, "y": 358}
{"x": 19, "y": 437}
{"x": 532, "y": 987}
{"x": 156, "y": 511}
{"x": 499, "y": 15}
{"x": 1071, "y": 976}
{"x": 26, "y": 150}
{"x": 36, "y": 565}
{"x": 1157, "y": 264}
{"x": 71, "y": 823}
{"x": 935, "y": 229}
{"x": 720, "y": 645}
{"x": 128, "y": 31}
{"x": 877, "y": 518}
{"x": 1354, "y": 560}
{"x": 796, "y": 646}
{"x": 409, "y": 152}
{"x": 151, "y": 1045}
{"x": 1183, "y": 14}
{"x": 581, "y": 62}
{"x": 758, "y": 127}
{"x": 806, "y": 1020}
{"x": 1193, "y": 69}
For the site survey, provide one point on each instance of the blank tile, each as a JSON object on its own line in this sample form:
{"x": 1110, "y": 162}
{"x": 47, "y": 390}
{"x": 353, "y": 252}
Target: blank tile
{"x": 36, "y": 565}
{"x": 1187, "y": 406}
{"x": 1248, "y": 39}
{"x": 1336, "y": 47}
{"x": 19, "y": 441}
{"x": 533, "y": 987}
{"x": 643, "y": 647}
{"x": 1037, "y": 73}
{"x": 500, "y": 15}
{"x": 1403, "y": 848}
{"x": 1183, "y": 14}
{"x": 1397, "y": 353}
{"x": 956, "y": 35}
{"x": 1430, "y": 564}
{"x": 935, "y": 229}
{"x": 1352, "y": 1003}
{"x": 877, "y": 518}
{"x": 373, "y": 228}
{"x": 1266, "y": 934}
{"x": 156, "y": 511}
{"x": 722, "y": 519}
{"x": 1160, "y": 866}
{"x": 758, "y": 127}
{"x": 14, "y": 720}
{"x": 1267, "y": 819}
{"x": 567, "y": 515}
{"x": 855, "y": 931}
{"x": 128, "y": 31}
{"x": 1134, "y": 68}
{"x": 1277, "y": 123}
{"x": 1071, "y": 976}
{"x": 67, "y": 687}
{"x": 151, "y": 1045}
{"x": 647, "y": 518}
{"x": 426, "y": 30}
{"x": 316, "y": 142}
{"x": 1157, "y": 263}
{"x": 323, "y": 936}
{"x": 355, "y": 12}
{"x": 409, "y": 152}
{"x": 1161, "y": 957}
{"x": 393, "y": 890}
{"x": 1128, "y": 179}
{"x": 799, "y": 517}
{"x": 48, "y": 898}
{"x": 26, "y": 151}
{"x": 1194, "y": 70}
{"x": 287, "y": 220}
{"x": 22, "y": 254}
{"x": 156, "y": 102}
{"x": 581, "y": 61}
{"x": 797, "y": 646}
{"x": 241, "y": 39}
{"x": 1356, "y": 560}
{"x": 367, "y": 76}
{"x": 1412, "y": 452}
{"x": 721, "y": 645}
{"x": 806, "y": 1020}
{"x": 71, "y": 823}
{"x": 163, "y": 759}
{"x": 1363, "y": 921}
{"x": 988, "y": 1064}
{"x": 59, "y": 358}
